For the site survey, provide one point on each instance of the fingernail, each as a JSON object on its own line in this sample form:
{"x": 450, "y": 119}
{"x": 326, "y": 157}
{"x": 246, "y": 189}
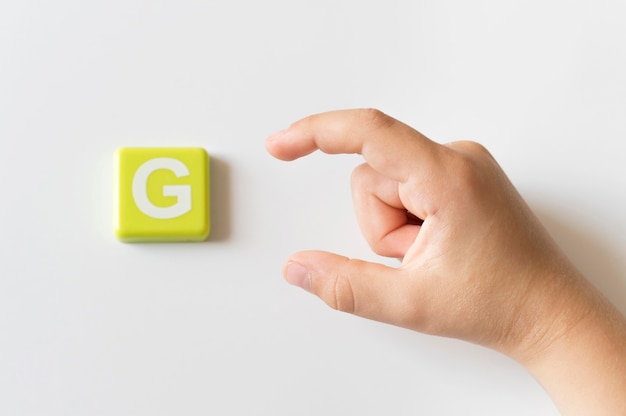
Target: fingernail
{"x": 298, "y": 275}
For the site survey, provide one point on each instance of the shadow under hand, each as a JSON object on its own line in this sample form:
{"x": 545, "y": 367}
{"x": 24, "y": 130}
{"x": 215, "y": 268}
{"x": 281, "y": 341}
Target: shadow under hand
{"x": 602, "y": 266}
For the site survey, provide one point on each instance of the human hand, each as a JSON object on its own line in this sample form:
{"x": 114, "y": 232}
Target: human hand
{"x": 480, "y": 267}
{"x": 475, "y": 266}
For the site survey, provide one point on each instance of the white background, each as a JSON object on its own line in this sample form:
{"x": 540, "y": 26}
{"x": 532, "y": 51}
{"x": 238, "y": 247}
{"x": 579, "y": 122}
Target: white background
{"x": 91, "y": 326}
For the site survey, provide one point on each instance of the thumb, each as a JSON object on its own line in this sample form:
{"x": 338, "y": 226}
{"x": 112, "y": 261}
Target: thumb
{"x": 370, "y": 290}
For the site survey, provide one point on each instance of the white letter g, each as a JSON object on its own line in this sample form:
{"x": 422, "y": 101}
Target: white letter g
{"x": 181, "y": 192}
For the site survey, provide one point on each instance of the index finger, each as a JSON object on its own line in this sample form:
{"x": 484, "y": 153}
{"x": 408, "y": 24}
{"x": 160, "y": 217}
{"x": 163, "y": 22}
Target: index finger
{"x": 389, "y": 146}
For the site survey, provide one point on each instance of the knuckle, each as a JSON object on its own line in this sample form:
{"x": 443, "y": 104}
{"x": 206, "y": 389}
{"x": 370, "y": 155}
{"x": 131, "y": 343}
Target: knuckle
{"x": 478, "y": 150}
{"x": 381, "y": 246}
{"x": 472, "y": 165}
{"x": 471, "y": 150}
{"x": 343, "y": 298}
{"x": 375, "y": 118}
{"x": 360, "y": 176}
{"x": 378, "y": 246}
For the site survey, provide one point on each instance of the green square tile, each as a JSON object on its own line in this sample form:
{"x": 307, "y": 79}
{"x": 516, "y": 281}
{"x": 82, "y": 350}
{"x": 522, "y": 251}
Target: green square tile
{"x": 162, "y": 194}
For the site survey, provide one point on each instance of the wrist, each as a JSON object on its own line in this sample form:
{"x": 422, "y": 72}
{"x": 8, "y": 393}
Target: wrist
{"x": 576, "y": 350}
{"x": 552, "y": 311}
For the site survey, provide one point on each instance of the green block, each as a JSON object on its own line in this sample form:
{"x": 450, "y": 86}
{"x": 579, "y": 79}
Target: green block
{"x": 162, "y": 194}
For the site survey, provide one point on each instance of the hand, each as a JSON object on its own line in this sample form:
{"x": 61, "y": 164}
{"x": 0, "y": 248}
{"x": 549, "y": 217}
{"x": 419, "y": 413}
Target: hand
{"x": 468, "y": 271}
{"x": 477, "y": 265}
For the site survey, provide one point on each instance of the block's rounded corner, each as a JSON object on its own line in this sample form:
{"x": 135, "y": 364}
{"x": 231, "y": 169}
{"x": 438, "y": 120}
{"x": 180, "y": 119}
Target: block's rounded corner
{"x": 120, "y": 151}
{"x": 121, "y": 235}
{"x": 203, "y": 234}
{"x": 197, "y": 234}
{"x": 201, "y": 150}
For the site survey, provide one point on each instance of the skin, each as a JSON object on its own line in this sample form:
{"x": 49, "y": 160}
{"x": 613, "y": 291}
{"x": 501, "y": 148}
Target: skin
{"x": 476, "y": 264}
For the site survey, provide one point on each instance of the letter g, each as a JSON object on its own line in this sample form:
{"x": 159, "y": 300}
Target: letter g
{"x": 181, "y": 192}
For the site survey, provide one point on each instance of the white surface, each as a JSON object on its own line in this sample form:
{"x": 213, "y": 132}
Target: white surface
{"x": 90, "y": 326}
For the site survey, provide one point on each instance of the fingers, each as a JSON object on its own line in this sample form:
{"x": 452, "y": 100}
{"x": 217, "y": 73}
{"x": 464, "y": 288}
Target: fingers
{"x": 392, "y": 148}
{"x": 381, "y": 214}
{"x": 398, "y": 160}
{"x": 365, "y": 289}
